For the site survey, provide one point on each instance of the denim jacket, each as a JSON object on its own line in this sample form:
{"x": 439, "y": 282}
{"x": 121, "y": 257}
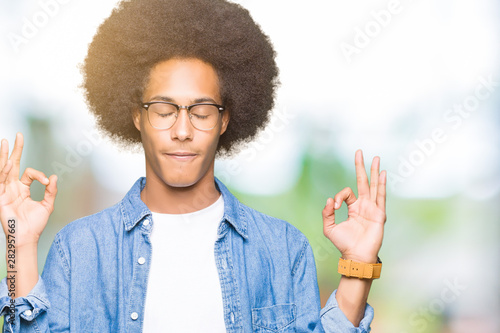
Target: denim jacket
{"x": 96, "y": 274}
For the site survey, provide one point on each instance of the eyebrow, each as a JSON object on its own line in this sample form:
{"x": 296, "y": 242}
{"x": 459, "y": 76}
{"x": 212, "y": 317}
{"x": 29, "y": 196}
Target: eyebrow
{"x": 171, "y": 100}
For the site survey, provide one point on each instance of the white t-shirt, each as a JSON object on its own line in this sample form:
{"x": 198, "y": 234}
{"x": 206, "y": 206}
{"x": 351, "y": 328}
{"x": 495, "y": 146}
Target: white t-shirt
{"x": 184, "y": 293}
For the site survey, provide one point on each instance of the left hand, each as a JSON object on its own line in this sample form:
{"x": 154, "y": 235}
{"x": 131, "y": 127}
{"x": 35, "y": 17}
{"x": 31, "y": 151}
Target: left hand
{"x": 359, "y": 238}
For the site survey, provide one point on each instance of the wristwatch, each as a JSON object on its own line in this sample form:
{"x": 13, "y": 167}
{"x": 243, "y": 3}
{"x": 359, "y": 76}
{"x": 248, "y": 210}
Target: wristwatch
{"x": 360, "y": 270}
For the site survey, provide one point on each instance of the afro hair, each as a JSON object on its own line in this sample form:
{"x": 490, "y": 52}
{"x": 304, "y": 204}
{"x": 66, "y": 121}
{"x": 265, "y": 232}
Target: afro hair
{"x": 141, "y": 33}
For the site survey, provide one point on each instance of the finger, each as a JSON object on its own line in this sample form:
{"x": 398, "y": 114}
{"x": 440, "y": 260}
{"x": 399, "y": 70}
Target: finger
{"x": 361, "y": 178}
{"x": 329, "y": 210}
{"x": 4, "y": 153}
{"x": 381, "y": 191}
{"x": 328, "y": 216}
{"x": 346, "y": 195}
{"x": 15, "y": 157}
{"x": 31, "y": 174}
{"x": 50, "y": 193}
{"x": 374, "y": 175}
{"x": 5, "y": 172}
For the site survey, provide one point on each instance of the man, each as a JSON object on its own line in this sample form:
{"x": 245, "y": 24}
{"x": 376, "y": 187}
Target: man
{"x": 187, "y": 80}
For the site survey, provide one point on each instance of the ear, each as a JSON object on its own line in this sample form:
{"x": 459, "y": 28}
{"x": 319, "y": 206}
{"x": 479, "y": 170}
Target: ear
{"x": 225, "y": 121}
{"x": 136, "y": 116}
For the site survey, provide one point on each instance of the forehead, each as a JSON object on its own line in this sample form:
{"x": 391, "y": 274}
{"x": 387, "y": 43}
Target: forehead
{"x": 183, "y": 79}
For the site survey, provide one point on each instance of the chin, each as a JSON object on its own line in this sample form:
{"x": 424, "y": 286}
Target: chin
{"x": 176, "y": 177}
{"x": 180, "y": 181}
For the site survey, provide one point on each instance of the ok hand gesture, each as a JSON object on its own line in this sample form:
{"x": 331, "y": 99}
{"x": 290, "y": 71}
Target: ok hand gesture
{"x": 15, "y": 200}
{"x": 359, "y": 238}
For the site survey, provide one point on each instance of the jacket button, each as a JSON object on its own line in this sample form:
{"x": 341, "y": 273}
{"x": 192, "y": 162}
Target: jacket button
{"x": 134, "y": 315}
{"x": 141, "y": 260}
{"x": 28, "y": 312}
{"x": 146, "y": 223}
{"x": 232, "y": 317}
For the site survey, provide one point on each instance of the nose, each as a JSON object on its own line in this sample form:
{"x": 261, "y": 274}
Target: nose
{"x": 182, "y": 129}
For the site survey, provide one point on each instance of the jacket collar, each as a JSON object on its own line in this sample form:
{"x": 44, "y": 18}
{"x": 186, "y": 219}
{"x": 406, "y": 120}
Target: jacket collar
{"x": 133, "y": 209}
{"x": 234, "y": 214}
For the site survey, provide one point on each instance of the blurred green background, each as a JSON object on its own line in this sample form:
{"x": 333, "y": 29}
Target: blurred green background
{"x": 414, "y": 82}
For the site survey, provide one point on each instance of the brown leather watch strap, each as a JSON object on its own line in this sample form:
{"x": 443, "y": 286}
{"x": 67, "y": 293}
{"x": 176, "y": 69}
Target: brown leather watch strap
{"x": 360, "y": 270}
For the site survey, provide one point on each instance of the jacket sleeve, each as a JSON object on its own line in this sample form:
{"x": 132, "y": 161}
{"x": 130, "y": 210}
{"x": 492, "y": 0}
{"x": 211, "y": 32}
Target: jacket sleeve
{"x": 309, "y": 317}
{"x": 46, "y": 307}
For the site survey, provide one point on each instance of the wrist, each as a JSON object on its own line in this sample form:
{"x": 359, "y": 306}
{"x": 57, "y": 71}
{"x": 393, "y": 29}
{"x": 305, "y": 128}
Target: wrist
{"x": 27, "y": 247}
{"x": 364, "y": 259}
{"x": 25, "y": 253}
{"x": 362, "y": 270}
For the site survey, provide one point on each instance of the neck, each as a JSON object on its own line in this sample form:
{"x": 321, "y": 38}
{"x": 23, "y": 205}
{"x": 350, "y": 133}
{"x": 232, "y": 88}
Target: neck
{"x": 165, "y": 199}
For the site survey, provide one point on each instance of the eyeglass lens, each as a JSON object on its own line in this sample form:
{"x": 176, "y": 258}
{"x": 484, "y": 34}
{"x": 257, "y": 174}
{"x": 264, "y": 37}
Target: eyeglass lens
{"x": 163, "y": 116}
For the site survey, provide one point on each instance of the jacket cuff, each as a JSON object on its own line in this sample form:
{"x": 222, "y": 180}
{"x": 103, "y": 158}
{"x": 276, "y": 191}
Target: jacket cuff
{"x": 334, "y": 320}
{"x": 30, "y": 306}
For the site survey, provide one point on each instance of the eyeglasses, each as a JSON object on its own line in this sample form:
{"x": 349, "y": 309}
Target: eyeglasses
{"x": 163, "y": 115}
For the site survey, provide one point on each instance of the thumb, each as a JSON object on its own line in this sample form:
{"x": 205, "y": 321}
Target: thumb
{"x": 50, "y": 193}
{"x": 328, "y": 216}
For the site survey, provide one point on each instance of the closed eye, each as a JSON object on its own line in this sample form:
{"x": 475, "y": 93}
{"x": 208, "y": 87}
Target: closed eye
{"x": 199, "y": 116}
{"x": 165, "y": 115}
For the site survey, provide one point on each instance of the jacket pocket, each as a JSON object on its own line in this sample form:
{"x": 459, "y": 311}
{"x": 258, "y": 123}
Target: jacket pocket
{"x": 277, "y": 318}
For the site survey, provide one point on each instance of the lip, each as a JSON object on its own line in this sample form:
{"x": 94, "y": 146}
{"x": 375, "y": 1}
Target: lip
{"x": 181, "y": 155}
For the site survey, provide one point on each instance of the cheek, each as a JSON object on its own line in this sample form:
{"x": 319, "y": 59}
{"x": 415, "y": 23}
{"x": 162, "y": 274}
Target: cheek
{"x": 148, "y": 141}
{"x": 212, "y": 142}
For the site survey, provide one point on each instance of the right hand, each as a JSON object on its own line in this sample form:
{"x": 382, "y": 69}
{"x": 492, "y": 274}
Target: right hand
{"x": 15, "y": 199}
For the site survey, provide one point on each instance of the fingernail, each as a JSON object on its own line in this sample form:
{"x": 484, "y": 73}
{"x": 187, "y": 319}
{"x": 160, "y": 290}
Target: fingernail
{"x": 46, "y": 180}
{"x": 336, "y": 205}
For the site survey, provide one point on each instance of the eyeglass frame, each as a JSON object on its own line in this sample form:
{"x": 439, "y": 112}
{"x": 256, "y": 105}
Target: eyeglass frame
{"x": 188, "y": 108}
